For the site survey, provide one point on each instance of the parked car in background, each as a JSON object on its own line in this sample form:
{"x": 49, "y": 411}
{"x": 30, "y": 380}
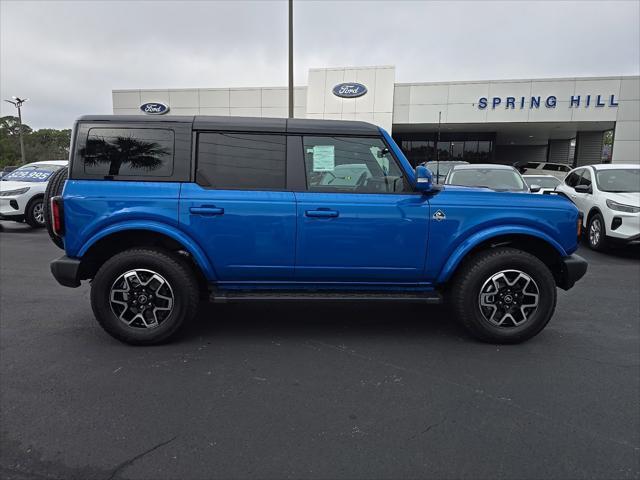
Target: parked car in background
{"x": 441, "y": 169}
{"x": 547, "y": 183}
{"x": 22, "y": 192}
{"x": 558, "y": 170}
{"x": 501, "y": 178}
{"x": 608, "y": 196}
{"x": 161, "y": 212}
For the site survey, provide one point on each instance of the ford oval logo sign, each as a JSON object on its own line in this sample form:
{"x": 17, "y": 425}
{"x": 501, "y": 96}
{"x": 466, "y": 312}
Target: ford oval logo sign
{"x": 349, "y": 90}
{"x": 153, "y": 108}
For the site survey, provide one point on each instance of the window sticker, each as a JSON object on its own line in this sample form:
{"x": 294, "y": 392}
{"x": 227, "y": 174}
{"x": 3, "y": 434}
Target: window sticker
{"x": 324, "y": 158}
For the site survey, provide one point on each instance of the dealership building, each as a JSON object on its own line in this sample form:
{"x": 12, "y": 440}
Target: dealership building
{"x": 548, "y": 119}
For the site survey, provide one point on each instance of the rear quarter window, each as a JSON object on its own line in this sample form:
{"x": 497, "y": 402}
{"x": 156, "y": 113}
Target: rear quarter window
{"x": 130, "y": 152}
{"x": 156, "y": 151}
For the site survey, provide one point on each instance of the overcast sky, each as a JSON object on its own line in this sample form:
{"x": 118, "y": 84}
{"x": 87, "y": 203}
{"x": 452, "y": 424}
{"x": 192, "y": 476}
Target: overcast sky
{"x": 68, "y": 56}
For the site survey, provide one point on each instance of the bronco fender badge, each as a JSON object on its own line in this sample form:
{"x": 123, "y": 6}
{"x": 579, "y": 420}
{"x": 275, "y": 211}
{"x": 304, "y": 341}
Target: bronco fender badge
{"x": 439, "y": 215}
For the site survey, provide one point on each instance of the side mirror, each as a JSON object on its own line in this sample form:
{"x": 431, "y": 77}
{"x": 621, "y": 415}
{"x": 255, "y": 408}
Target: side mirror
{"x": 424, "y": 179}
{"x": 583, "y": 189}
{"x": 535, "y": 188}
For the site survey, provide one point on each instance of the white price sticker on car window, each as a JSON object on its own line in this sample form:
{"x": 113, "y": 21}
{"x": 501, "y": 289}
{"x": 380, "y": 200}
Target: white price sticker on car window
{"x": 324, "y": 158}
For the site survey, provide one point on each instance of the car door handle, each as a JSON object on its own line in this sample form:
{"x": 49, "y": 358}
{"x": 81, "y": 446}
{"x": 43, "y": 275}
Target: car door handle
{"x": 321, "y": 213}
{"x": 208, "y": 211}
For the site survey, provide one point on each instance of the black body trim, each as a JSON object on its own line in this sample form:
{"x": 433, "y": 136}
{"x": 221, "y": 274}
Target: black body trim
{"x": 216, "y": 296}
{"x": 66, "y": 271}
{"x": 300, "y": 126}
{"x": 573, "y": 269}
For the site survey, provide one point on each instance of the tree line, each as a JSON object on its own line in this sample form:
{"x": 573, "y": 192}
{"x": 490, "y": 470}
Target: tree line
{"x": 43, "y": 144}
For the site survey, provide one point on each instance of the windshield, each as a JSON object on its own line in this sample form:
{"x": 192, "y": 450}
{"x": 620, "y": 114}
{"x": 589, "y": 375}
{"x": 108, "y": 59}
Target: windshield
{"x": 621, "y": 180}
{"x": 501, "y": 180}
{"x": 32, "y": 173}
{"x": 544, "y": 182}
{"x": 443, "y": 167}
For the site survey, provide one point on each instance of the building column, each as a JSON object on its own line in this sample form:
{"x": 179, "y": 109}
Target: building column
{"x": 626, "y": 142}
{"x": 588, "y": 148}
{"x": 558, "y": 151}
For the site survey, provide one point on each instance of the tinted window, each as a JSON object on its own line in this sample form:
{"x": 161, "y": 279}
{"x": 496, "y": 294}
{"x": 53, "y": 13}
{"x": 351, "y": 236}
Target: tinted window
{"x": 572, "y": 178}
{"x": 551, "y": 167}
{"x": 142, "y": 152}
{"x": 239, "y": 161}
{"x": 349, "y": 164}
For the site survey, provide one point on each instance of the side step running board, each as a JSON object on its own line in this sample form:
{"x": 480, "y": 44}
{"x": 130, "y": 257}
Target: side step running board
{"x": 261, "y": 296}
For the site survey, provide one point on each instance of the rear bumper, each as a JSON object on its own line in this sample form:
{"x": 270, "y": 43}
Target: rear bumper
{"x": 66, "y": 271}
{"x": 573, "y": 269}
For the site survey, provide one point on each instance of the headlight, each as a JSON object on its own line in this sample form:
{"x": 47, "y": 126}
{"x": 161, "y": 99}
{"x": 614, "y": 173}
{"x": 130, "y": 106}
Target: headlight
{"x": 621, "y": 207}
{"x": 11, "y": 193}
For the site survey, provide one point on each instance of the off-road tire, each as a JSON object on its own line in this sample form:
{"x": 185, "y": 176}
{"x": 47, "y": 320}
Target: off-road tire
{"x": 178, "y": 275}
{"x": 596, "y": 221}
{"x": 467, "y": 283}
{"x": 54, "y": 188}
{"x": 30, "y": 214}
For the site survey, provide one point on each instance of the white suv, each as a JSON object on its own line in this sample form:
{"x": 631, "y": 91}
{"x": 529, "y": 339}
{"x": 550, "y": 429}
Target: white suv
{"x": 22, "y": 192}
{"x": 609, "y": 198}
{"x": 558, "y": 170}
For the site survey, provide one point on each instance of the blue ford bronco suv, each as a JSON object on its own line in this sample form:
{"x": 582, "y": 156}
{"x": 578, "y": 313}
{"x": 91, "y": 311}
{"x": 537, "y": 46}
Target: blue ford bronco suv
{"x": 159, "y": 212}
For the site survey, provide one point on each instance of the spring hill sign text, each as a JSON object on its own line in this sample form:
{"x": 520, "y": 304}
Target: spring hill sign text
{"x": 575, "y": 101}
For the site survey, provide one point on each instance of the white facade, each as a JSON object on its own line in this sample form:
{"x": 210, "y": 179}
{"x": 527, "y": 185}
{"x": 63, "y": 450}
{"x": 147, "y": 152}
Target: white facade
{"x": 527, "y": 117}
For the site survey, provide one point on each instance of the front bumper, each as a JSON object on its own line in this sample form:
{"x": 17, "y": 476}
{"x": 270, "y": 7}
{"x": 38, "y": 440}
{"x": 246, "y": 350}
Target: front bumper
{"x": 66, "y": 271}
{"x": 14, "y": 205}
{"x": 572, "y": 269}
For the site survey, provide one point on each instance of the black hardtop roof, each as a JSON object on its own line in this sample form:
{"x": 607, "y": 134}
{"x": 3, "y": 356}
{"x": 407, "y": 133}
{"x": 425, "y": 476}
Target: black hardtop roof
{"x": 248, "y": 124}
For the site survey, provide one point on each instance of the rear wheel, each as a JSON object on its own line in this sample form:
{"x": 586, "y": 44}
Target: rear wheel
{"x": 504, "y": 295}
{"x": 596, "y": 233}
{"x": 54, "y": 188}
{"x": 144, "y": 296}
{"x": 34, "y": 212}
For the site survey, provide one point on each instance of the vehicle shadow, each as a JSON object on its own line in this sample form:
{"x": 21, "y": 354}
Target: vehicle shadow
{"x": 631, "y": 252}
{"x": 7, "y": 226}
{"x": 324, "y": 319}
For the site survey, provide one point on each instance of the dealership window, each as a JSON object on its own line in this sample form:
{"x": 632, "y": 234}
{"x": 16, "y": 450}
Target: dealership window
{"x": 128, "y": 152}
{"x": 469, "y": 147}
{"x": 351, "y": 164}
{"x": 235, "y": 161}
{"x": 418, "y": 151}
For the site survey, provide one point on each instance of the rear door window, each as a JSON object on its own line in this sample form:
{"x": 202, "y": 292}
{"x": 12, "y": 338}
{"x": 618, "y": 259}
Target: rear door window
{"x": 241, "y": 161}
{"x": 128, "y": 152}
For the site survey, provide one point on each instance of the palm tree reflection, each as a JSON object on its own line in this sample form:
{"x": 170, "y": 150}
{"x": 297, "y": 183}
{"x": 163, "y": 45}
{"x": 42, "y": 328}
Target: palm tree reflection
{"x": 119, "y": 151}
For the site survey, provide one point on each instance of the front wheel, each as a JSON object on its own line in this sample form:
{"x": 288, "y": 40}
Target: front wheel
{"x": 596, "y": 232}
{"x": 34, "y": 213}
{"x": 504, "y": 295}
{"x": 144, "y": 296}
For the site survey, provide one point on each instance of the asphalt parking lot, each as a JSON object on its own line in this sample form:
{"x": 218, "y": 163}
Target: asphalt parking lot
{"x": 316, "y": 391}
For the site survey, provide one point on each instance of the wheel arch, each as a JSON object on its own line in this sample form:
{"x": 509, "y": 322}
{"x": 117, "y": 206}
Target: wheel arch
{"x": 117, "y": 238}
{"x": 591, "y": 213}
{"x": 37, "y": 196}
{"x": 537, "y": 243}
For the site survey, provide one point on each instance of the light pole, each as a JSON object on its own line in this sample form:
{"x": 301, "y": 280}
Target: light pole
{"x": 18, "y": 102}
{"x": 290, "y": 58}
